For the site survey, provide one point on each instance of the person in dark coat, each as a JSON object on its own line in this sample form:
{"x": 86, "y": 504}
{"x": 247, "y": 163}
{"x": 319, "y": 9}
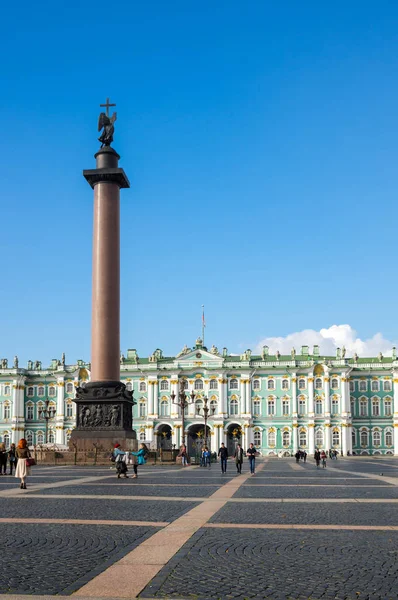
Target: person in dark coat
{"x": 317, "y": 458}
{"x": 120, "y": 461}
{"x": 223, "y": 454}
{"x": 12, "y": 457}
{"x": 238, "y": 458}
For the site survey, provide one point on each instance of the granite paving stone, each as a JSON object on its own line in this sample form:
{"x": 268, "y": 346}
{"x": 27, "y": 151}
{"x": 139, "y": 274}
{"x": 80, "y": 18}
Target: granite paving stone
{"x": 132, "y": 490}
{"x": 320, "y": 492}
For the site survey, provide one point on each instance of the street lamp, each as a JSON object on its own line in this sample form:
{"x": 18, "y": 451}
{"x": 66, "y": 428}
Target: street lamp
{"x": 183, "y": 402}
{"x": 206, "y": 411}
{"x": 47, "y": 413}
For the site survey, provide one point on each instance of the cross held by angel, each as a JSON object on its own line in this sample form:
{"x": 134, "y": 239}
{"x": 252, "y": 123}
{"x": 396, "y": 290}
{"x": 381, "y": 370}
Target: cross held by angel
{"x": 106, "y": 123}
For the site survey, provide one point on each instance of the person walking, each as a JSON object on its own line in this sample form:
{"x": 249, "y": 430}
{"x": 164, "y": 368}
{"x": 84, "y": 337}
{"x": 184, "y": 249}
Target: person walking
{"x": 184, "y": 455}
{"x": 223, "y": 454}
{"x": 140, "y": 457}
{"x": 22, "y": 470}
{"x": 251, "y": 454}
{"x": 120, "y": 461}
{"x": 305, "y": 456}
{"x": 323, "y": 458}
{"x": 238, "y": 458}
{"x": 12, "y": 457}
{"x": 297, "y": 456}
{"x": 206, "y": 457}
{"x": 317, "y": 458}
{"x": 3, "y": 459}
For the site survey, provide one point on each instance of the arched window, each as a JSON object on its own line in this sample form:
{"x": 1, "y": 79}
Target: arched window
{"x": 7, "y": 410}
{"x": 142, "y": 436}
{"x": 271, "y": 438}
{"x": 142, "y": 386}
{"x": 233, "y": 384}
{"x": 334, "y": 383}
{"x": 375, "y": 407}
{"x": 234, "y": 407}
{"x": 285, "y": 406}
{"x": 69, "y": 410}
{"x": 164, "y": 408}
{"x": 6, "y": 440}
{"x": 271, "y": 384}
{"x": 198, "y": 407}
{"x": 285, "y": 384}
{"x": 256, "y": 384}
{"x": 363, "y": 407}
{"x": 184, "y": 384}
{"x": 389, "y": 437}
{"x": 69, "y": 387}
{"x": 301, "y": 384}
{"x": 352, "y": 405}
{"x": 302, "y": 406}
{"x": 198, "y": 384}
{"x": 51, "y": 390}
{"x": 318, "y": 406}
{"x": 257, "y": 438}
{"x": 7, "y": 390}
{"x": 286, "y": 439}
{"x": 40, "y": 437}
{"x": 319, "y": 438}
{"x": 387, "y": 406}
{"x": 213, "y": 384}
{"x": 256, "y": 408}
{"x": 129, "y": 386}
{"x": 30, "y": 391}
{"x": 335, "y": 405}
{"x": 142, "y": 408}
{"x": 318, "y": 383}
{"x": 364, "y": 438}
{"x": 387, "y": 386}
{"x": 363, "y": 385}
{"x": 164, "y": 385}
{"x": 29, "y": 412}
{"x": 302, "y": 438}
{"x": 376, "y": 438}
{"x": 213, "y": 407}
{"x": 375, "y": 386}
{"x": 336, "y": 438}
{"x": 51, "y": 437}
{"x": 271, "y": 407}
{"x": 29, "y": 438}
{"x": 40, "y": 390}
{"x": 352, "y": 386}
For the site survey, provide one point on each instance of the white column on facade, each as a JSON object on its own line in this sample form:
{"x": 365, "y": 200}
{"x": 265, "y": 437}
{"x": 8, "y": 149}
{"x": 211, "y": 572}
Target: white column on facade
{"x": 248, "y": 397}
{"x": 156, "y": 398}
{"x": 345, "y": 395}
{"x": 344, "y": 440}
{"x": 242, "y": 396}
{"x": 60, "y": 418}
{"x": 326, "y": 390}
{"x": 294, "y": 394}
{"x": 17, "y": 410}
{"x": 149, "y": 434}
{"x": 150, "y": 399}
{"x": 174, "y": 390}
{"x": 223, "y": 395}
{"x": 295, "y": 438}
{"x": 191, "y": 405}
{"x": 328, "y": 441}
{"x": 310, "y": 395}
{"x": 395, "y": 412}
{"x": 311, "y": 438}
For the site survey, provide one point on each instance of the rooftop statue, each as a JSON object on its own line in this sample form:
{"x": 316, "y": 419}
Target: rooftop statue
{"x": 106, "y": 123}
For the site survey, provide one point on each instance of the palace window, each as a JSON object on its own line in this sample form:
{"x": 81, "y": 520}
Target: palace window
{"x": 142, "y": 409}
{"x": 142, "y": 387}
{"x": 69, "y": 410}
{"x": 318, "y": 407}
{"x": 256, "y": 408}
{"x": 286, "y": 439}
{"x": 375, "y": 386}
{"x": 256, "y": 384}
{"x": 213, "y": 384}
{"x": 184, "y": 384}
{"x": 40, "y": 390}
{"x": 271, "y": 384}
{"x": 213, "y": 407}
{"x": 29, "y": 412}
{"x": 257, "y": 438}
{"x": 6, "y": 440}
{"x": 336, "y": 438}
{"x": 364, "y": 438}
{"x": 353, "y": 437}
{"x": 387, "y": 407}
{"x": 129, "y": 386}
{"x": 335, "y": 405}
{"x": 387, "y": 385}
{"x": 198, "y": 384}
{"x": 233, "y": 407}
{"x": 7, "y": 411}
{"x": 286, "y": 407}
{"x": 51, "y": 390}
{"x": 164, "y": 408}
{"x": 352, "y": 406}
{"x": 376, "y": 438}
{"x": 69, "y": 387}
{"x": 7, "y": 390}
{"x": 29, "y": 438}
{"x": 271, "y": 407}
{"x": 318, "y": 383}
{"x": 388, "y": 436}
{"x": 285, "y": 384}
{"x": 198, "y": 406}
{"x": 352, "y": 386}
{"x": 233, "y": 384}
{"x": 164, "y": 385}
{"x": 319, "y": 438}
{"x": 363, "y": 386}
{"x": 271, "y": 438}
{"x": 334, "y": 383}
{"x": 363, "y": 407}
{"x": 302, "y": 438}
{"x": 375, "y": 408}
{"x": 301, "y": 384}
{"x": 51, "y": 437}
{"x": 40, "y": 437}
{"x": 142, "y": 436}
{"x": 301, "y": 407}
{"x": 30, "y": 391}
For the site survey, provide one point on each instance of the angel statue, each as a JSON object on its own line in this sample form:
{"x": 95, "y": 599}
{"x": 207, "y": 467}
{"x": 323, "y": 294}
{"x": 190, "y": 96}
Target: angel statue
{"x": 107, "y": 124}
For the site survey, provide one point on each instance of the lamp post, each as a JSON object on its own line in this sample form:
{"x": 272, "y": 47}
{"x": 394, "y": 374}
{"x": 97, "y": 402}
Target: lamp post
{"x": 206, "y": 411}
{"x": 47, "y": 413}
{"x": 182, "y": 402}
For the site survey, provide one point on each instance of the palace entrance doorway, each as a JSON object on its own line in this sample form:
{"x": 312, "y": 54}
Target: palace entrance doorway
{"x": 195, "y": 439}
{"x": 234, "y": 437}
{"x": 164, "y": 437}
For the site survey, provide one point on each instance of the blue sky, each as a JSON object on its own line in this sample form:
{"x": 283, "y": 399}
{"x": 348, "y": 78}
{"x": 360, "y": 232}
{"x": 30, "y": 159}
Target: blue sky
{"x": 260, "y": 139}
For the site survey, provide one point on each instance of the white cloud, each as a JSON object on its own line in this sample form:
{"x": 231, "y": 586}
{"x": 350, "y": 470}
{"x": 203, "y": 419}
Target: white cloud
{"x": 328, "y": 340}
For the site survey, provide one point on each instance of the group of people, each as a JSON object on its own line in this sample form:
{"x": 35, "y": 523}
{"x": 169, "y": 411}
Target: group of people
{"x": 300, "y": 455}
{"x": 205, "y": 457}
{"x": 8, "y": 456}
{"x": 123, "y": 458}
{"x": 320, "y": 456}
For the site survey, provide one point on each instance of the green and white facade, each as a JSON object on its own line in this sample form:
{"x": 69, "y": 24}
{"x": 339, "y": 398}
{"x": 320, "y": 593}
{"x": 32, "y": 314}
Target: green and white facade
{"x": 281, "y": 403}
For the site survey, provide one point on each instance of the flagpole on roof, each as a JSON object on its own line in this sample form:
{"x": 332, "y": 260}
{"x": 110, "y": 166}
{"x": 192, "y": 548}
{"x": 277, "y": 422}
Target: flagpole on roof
{"x": 203, "y": 324}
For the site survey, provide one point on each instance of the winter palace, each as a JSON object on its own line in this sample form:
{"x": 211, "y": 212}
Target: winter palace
{"x": 281, "y": 403}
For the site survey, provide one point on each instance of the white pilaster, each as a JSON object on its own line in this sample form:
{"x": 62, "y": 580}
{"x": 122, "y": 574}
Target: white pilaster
{"x": 295, "y": 438}
{"x": 328, "y": 441}
{"x": 156, "y": 398}
{"x": 344, "y": 439}
{"x": 310, "y": 395}
{"x": 294, "y": 396}
{"x": 150, "y": 399}
{"x": 17, "y": 411}
{"x": 326, "y": 389}
{"x": 311, "y": 438}
{"x": 345, "y": 396}
{"x": 242, "y": 396}
{"x": 395, "y": 412}
{"x": 248, "y": 397}
{"x": 223, "y": 395}
{"x": 60, "y": 418}
{"x": 149, "y": 432}
{"x": 174, "y": 390}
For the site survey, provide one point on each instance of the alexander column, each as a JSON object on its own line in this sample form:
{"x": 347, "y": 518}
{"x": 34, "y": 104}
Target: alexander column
{"x": 104, "y": 406}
